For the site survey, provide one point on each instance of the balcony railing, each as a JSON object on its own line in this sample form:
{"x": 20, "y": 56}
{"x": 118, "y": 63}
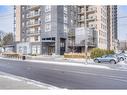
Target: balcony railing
{"x": 92, "y": 9}
{"x": 82, "y": 44}
{"x": 33, "y": 33}
{"x": 33, "y": 7}
{"x": 35, "y": 14}
{"x": 91, "y": 18}
{"x": 81, "y": 12}
{"x": 36, "y": 23}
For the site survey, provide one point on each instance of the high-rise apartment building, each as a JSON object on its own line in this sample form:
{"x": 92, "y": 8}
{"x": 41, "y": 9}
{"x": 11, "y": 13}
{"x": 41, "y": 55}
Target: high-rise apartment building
{"x": 94, "y": 17}
{"x": 42, "y": 29}
{"x": 103, "y": 21}
{"x": 51, "y": 29}
{"x": 112, "y": 27}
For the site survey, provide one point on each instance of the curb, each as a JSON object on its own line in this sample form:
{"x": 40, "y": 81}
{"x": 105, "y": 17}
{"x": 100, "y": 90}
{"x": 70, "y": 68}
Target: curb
{"x": 62, "y": 63}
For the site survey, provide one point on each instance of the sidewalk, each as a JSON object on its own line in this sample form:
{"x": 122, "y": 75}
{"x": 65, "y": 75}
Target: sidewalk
{"x": 60, "y": 60}
{"x": 74, "y": 61}
{"x": 8, "y": 81}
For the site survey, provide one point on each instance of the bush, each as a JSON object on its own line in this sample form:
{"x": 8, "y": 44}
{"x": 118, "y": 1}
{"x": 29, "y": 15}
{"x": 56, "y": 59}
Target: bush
{"x": 74, "y": 55}
{"x": 33, "y": 54}
{"x": 109, "y": 52}
{"x": 97, "y": 52}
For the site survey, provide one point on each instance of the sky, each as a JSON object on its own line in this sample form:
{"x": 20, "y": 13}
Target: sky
{"x": 122, "y": 22}
{"x": 6, "y": 20}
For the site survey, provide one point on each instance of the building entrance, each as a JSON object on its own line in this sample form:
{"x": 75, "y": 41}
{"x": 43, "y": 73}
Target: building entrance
{"x": 51, "y": 50}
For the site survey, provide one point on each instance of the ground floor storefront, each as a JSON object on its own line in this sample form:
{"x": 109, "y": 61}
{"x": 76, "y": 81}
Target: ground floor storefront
{"x": 41, "y": 48}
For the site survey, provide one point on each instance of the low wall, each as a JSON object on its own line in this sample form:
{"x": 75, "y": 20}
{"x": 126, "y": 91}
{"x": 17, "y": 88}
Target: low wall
{"x": 12, "y": 55}
{"x": 76, "y": 55}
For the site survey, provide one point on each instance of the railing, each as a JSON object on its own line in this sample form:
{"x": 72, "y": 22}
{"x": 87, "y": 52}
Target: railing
{"x": 33, "y": 6}
{"x": 34, "y": 14}
{"x": 34, "y": 33}
{"x": 91, "y": 18}
{"x": 92, "y": 9}
{"x": 34, "y": 23}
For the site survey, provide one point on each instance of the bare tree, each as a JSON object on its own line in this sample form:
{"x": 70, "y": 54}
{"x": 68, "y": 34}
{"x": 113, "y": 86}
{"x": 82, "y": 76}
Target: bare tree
{"x": 8, "y": 39}
{"x": 1, "y": 38}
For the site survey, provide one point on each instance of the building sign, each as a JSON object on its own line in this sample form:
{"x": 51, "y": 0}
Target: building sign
{"x": 80, "y": 35}
{"x": 83, "y": 34}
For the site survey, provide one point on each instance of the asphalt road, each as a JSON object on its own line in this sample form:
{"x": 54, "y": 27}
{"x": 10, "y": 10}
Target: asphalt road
{"x": 69, "y": 77}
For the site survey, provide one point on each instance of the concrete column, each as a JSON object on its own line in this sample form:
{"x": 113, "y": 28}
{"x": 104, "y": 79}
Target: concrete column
{"x": 66, "y": 45}
{"x": 57, "y": 46}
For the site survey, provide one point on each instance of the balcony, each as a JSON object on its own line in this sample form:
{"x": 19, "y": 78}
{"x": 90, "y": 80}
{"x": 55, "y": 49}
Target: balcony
{"x": 34, "y": 15}
{"x": 81, "y": 11}
{"x": 91, "y": 10}
{"x": 34, "y": 24}
{"x": 91, "y": 18}
{"x": 81, "y": 20}
{"x": 34, "y": 33}
{"x": 90, "y": 44}
{"x": 33, "y": 7}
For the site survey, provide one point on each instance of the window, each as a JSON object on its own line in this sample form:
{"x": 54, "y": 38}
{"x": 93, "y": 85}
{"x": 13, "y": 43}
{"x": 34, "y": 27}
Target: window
{"x": 47, "y": 27}
{"x": 27, "y": 39}
{"x": 28, "y": 14}
{"x": 65, "y": 9}
{"x": 65, "y": 18}
{"x": 101, "y": 18}
{"x": 48, "y": 17}
{"x": 23, "y": 8}
{"x": 82, "y": 17}
{"x": 23, "y": 24}
{"x": 36, "y": 38}
{"x": 36, "y": 12}
{"x": 27, "y": 23}
{"x": 82, "y": 24}
{"x": 72, "y": 22}
{"x": 65, "y": 28}
{"x": 36, "y": 30}
{"x": 82, "y": 9}
{"x": 47, "y": 8}
{"x": 23, "y": 16}
{"x": 62, "y": 44}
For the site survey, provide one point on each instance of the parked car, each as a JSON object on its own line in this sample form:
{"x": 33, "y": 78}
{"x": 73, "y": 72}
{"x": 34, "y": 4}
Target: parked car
{"x": 107, "y": 58}
{"x": 121, "y": 56}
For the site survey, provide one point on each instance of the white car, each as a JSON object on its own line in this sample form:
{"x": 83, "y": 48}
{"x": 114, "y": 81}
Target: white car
{"x": 122, "y": 56}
